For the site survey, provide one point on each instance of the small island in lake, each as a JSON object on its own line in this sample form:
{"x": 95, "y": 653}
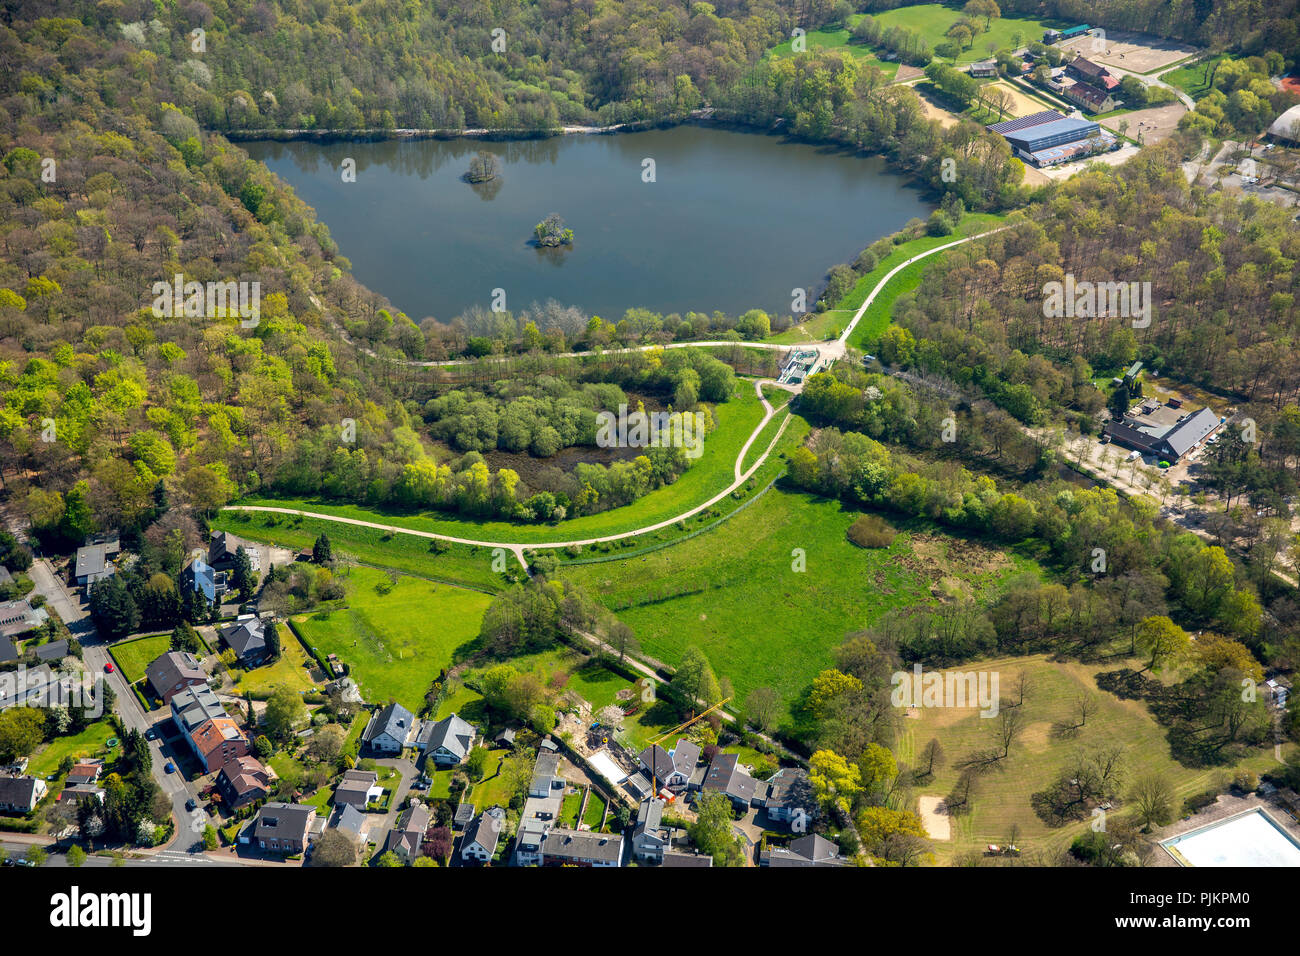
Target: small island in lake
{"x": 483, "y": 168}
{"x": 551, "y": 232}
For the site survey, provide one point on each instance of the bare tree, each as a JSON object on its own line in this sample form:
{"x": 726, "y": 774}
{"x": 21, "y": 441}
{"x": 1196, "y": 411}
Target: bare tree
{"x": 1086, "y": 704}
{"x": 1010, "y": 725}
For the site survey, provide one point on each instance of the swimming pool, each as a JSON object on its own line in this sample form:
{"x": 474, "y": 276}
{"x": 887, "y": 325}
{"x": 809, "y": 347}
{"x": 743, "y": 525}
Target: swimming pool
{"x": 1247, "y": 839}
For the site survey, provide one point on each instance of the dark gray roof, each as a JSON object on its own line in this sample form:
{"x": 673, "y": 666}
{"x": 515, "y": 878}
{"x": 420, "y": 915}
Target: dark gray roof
{"x": 1190, "y": 430}
{"x": 681, "y": 858}
{"x": 656, "y": 761}
{"x": 52, "y": 651}
{"x": 17, "y": 791}
{"x": 486, "y": 830}
{"x": 245, "y": 637}
{"x": 791, "y": 789}
{"x": 582, "y": 845}
{"x": 348, "y": 819}
{"x": 91, "y": 560}
{"x": 649, "y": 815}
{"x": 464, "y": 814}
{"x": 283, "y": 821}
{"x": 727, "y": 776}
{"x": 450, "y": 733}
{"x": 685, "y": 756}
{"x": 167, "y": 670}
{"x": 8, "y": 652}
{"x": 394, "y": 720}
{"x": 810, "y": 850}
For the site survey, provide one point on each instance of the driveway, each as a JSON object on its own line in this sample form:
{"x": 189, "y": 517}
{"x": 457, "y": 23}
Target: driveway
{"x": 68, "y": 604}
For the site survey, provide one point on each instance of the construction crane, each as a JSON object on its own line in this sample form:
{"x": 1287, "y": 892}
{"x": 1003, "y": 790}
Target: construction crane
{"x": 680, "y": 727}
{"x": 654, "y": 776}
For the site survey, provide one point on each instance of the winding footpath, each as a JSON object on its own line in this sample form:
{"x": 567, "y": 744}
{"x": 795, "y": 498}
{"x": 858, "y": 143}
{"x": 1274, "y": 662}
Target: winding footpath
{"x": 831, "y": 352}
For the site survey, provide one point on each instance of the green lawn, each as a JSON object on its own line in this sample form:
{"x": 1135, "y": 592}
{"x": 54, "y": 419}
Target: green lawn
{"x": 818, "y": 41}
{"x": 817, "y": 327}
{"x": 711, "y": 473}
{"x": 876, "y": 319}
{"x": 134, "y": 656}
{"x": 569, "y": 810}
{"x": 734, "y": 591}
{"x": 397, "y": 643}
{"x": 595, "y": 812}
{"x": 932, "y": 20}
{"x": 91, "y": 742}
{"x": 459, "y": 564}
{"x": 292, "y": 669}
{"x": 492, "y": 790}
{"x": 1194, "y": 79}
{"x": 1002, "y": 797}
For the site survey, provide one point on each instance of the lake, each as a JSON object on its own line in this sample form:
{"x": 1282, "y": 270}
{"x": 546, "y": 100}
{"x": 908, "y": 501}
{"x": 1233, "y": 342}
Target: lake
{"x": 731, "y": 221}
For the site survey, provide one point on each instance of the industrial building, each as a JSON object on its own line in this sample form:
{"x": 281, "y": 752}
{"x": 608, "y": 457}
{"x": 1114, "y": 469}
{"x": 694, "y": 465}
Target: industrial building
{"x": 1049, "y": 137}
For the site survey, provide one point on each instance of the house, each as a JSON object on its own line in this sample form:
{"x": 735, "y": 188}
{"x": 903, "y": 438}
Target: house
{"x": 789, "y": 797}
{"x": 1089, "y": 97}
{"x": 541, "y": 809}
{"x": 406, "y": 837}
{"x": 650, "y": 838}
{"x": 984, "y": 68}
{"x": 53, "y": 651}
{"x": 725, "y": 775}
{"x": 349, "y": 821}
{"x": 20, "y": 794}
{"x": 1085, "y": 71}
{"x": 8, "y": 652}
{"x": 216, "y": 742}
{"x": 447, "y": 742}
{"x": 582, "y": 848}
{"x": 247, "y": 638}
{"x": 358, "y": 788}
{"x": 19, "y": 617}
{"x": 38, "y": 686}
{"x": 83, "y": 773}
{"x": 506, "y": 738}
{"x": 222, "y": 549}
{"x": 390, "y": 730}
{"x": 244, "y": 780}
{"x": 92, "y": 564}
{"x": 671, "y": 769}
{"x": 81, "y": 791}
{"x": 171, "y": 673}
{"x": 214, "y": 738}
{"x": 481, "y": 839}
{"x": 200, "y": 576}
{"x": 282, "y": 827}
{"x": 683, "y": 858}
{"x": 810, "y": 850}
{"x": 1151, "y": 433}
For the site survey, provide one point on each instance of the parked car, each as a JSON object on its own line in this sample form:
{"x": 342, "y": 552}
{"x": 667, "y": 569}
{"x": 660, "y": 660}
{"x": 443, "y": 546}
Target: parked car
{"x": 108, "y": 668}
{"x": 170, "y": 767}
{"x": 191, "y": 804}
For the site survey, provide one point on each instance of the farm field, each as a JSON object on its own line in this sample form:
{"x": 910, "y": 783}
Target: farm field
{"x": 1002, "y": 797}
{"x": 396, "y": 643}
{"x": 135, "y": 655}
{"x": 710, "y": 474}
{"x": 733, "y": 592}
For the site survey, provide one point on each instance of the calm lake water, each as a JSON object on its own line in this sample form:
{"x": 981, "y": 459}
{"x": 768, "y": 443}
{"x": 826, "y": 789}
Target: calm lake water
{"x": 733, "y": 220}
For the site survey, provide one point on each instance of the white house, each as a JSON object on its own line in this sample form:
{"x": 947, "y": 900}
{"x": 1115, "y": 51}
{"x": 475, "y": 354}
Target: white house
{"x": 480, "y": 840}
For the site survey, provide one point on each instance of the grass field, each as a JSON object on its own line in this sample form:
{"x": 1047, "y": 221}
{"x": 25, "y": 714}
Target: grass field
{"x": 397, "y": 643}
{"x": 734, "y": 591}
{"x": 818, "y": 41}
{"x": 876, "y": 319}
{"x": 91, "y": 742}
{"x": 459, "y": 564}
{"x": 134, "y": 656}
{"x": 292, "y": 669}
{"x": 1194, "y": 79}
{"x": 711, "y": 473}
{"x": 932, "y": 20}
{"x": 1002, "y": 797}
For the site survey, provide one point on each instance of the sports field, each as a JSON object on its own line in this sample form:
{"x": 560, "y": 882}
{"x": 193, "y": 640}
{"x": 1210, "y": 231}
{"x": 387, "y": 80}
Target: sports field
{"x": 933, "y": 20}
{"x": 397, "y": 642}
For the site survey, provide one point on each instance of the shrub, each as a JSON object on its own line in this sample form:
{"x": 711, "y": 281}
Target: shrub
{"x": 871, "y": 531}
